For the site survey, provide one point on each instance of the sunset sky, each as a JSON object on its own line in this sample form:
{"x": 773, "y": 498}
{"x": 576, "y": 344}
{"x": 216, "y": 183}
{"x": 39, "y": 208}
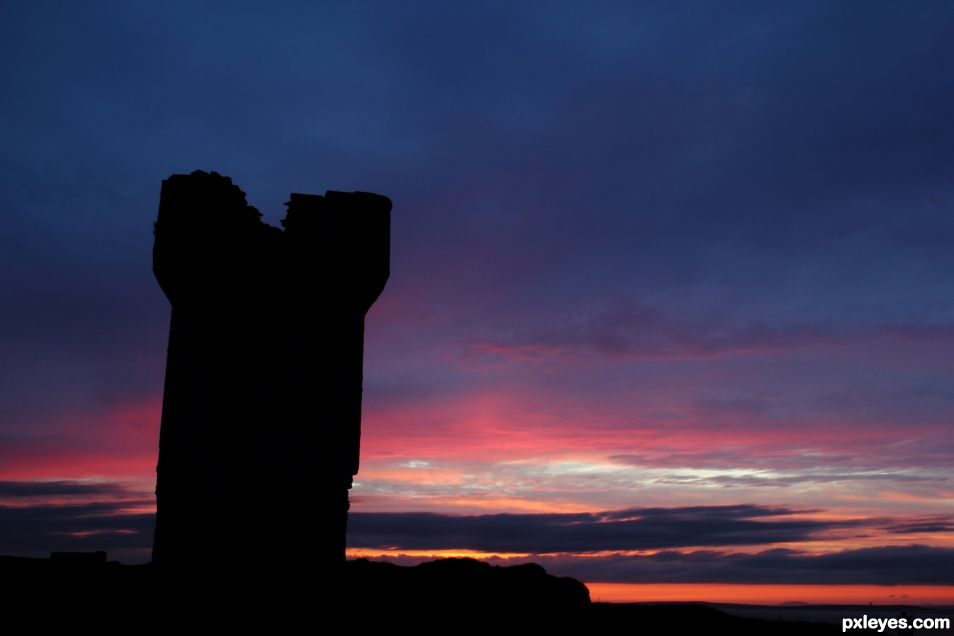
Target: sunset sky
{"x": 672, "y": 290}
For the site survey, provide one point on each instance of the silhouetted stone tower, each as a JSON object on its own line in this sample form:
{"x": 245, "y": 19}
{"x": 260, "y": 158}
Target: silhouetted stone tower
{"x": 261, "y": 413}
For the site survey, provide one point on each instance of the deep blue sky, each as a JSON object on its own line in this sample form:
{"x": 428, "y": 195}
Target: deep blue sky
{"x": 644, "y": 253}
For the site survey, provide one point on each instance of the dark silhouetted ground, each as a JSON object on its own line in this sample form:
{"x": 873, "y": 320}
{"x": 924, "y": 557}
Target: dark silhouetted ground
{"x": 448, "y": 594}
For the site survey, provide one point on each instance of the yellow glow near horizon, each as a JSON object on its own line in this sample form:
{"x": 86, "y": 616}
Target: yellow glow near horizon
{"x": 375, "y": 553}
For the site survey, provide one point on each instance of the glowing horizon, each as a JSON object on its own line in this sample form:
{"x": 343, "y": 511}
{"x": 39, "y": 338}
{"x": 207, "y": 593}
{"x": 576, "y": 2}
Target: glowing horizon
{"x": 772, "y": 594}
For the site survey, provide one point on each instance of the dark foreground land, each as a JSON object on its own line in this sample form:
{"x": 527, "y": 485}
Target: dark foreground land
{"x": 449, "y": 595}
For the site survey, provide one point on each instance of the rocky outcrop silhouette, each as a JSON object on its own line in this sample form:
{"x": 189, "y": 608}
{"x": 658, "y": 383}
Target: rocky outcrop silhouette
{"x": 261, "y": 414}
{"x": 464, "y": 584}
